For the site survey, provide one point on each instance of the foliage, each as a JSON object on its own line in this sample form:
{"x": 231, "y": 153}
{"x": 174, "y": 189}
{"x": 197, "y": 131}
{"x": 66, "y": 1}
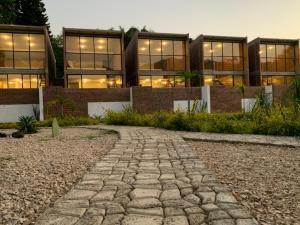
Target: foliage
{"x": 188, "y": 76}
{"x": 17, "y": 134}
{"x": 57, "y": 46}
{"x": 7, "y": 11}
{"x": 63, "y": 103}
{"x": 8, "y": 126}
{"x": 36, "y": 112}
{"x": 130, "y": 32}
{"x": 55, "y": 128}
{"x": 292, "y": 95}
{"x": 27, "y": 125}
{"x": 31, "y": 12}
{"x": 3, "y": 135}
{"x": 280, "y": 120}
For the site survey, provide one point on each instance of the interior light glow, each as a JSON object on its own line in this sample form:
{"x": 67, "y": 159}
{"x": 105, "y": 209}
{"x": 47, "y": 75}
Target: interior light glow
{"x": 143, "y": 49}
{"x": 82, "y": 46}
{"x": 164, "y": 43}
{"x": 205, "y": 45}
{"x": 158, "y": 49}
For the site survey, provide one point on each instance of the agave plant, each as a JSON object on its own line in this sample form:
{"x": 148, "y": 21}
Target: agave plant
{"x": 27, "y": 124}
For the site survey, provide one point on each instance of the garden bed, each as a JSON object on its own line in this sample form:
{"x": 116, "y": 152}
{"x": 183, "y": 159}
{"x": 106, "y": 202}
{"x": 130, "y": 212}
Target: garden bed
{"x": 36, "y": 170}
{"x": 266, "y": 179}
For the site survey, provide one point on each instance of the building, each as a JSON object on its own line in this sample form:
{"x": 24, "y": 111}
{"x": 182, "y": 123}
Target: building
{"x": 156, "y": 59}
{"x": 220, "y": 60}
{"x": 26, "y": 57}
{"x": 273, "y": 61}
{"x": 93, "y": 58}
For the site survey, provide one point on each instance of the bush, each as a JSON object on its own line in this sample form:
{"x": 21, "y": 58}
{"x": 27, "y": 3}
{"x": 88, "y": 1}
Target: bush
{"x": 3, "y": 135}
{"x": 27, "y": 125}
{"x": 275, "y": 120}
{"x": 17, "y": 134}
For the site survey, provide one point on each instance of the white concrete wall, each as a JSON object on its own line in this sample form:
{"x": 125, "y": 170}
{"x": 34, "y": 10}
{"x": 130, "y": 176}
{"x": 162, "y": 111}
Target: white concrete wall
{"x": 205, "y": 95}
{"x": 99, "y": 108}
{"x": 11, "y": 113}
{"x": 182, "y": 105}
{"x": 248, "y": 104}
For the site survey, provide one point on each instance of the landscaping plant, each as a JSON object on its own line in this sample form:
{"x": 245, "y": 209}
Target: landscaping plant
{"x": 27, "y": 125}
{"x": 55, "y": 128}
{"x": 17, "y": 134}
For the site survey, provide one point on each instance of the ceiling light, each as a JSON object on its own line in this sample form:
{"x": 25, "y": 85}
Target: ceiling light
{"x": 82, "y": 40}
{"x": 101, "y": 41}
{"x": 143, "y": 49}
{"x": 158, "y": 49}
{"x": 82, "y": 46}
{"x": 219, "y": 45}
{"x": 164, "y": 43}
{"x": 205, "y": 45}
{"x": 100, "y": 47}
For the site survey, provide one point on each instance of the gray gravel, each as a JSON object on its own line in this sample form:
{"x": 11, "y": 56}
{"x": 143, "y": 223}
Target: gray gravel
{"x": 37, "y": 170}
{"x": 265, "y": 179}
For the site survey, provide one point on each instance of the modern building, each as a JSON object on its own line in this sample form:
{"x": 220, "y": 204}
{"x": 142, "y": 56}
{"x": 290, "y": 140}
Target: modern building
{"x": 93, "y": 58}
{"x": 26, "y": 57}
{"x": 220, "y": 60}
{"x": 273, "y": 61}
{"x": 156, "y": 59}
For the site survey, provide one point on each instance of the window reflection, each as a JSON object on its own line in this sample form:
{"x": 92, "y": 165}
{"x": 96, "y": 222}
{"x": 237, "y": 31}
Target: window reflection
{"x": 145, "y": 81}
{"x": 37, "y": 60}
{"x": 93, "y": 53}
{"x": 94, "y": 81}
{"x": 26, "y": 81}
{"x": 223, "y": 56}
{"x": 167, "y": 55}
{"x": 179, "y": 81}
{"x": 74, "y": 81}
{"x": 87, "y": 61}
{"x": 73, "y": 61}
{"x": 276, "y": 80}
{"x": 15, "y": 81}
{"x": 21, "y": 42}
{"x": 162, "y": 81}
{"x": 86, "y": 44}
{"x": 101, "y": 62}
{"x": 6, "y": 43}
{"x": 21, "y": 60}
{"x": 37, "y": 42}
{"x": 6, "y": 59}
{"x": 3, "y": 81}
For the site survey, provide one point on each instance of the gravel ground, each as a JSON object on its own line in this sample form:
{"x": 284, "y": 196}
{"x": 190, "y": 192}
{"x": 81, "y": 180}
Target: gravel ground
{"x": 36, "y": 170}
{"x": 265, "y": 179}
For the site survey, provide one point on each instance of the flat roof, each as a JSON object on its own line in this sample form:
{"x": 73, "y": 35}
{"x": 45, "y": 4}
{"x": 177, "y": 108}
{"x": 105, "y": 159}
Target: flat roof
{"x": 162, "y": 35}
{"x": 82, "y": 31}
{"x": 23, "y": 28}
{"x": 274, "y": 40}
{"x": 222, "y": 38}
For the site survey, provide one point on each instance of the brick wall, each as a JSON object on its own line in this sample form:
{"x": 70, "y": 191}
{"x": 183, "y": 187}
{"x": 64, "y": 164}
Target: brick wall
{"x": 228, "y": 99}
{"x": 146, "y": 100}
{"x": 80, "y": 98}
{"x": 19, "y": 96}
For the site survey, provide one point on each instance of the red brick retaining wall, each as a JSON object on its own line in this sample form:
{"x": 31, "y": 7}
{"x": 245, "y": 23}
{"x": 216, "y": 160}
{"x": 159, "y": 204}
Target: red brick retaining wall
{"x": 228, "y": 99}
{"x": 147, "y": 100}
{"x": 80, "y": 98}
{"x": 19, "y": 96}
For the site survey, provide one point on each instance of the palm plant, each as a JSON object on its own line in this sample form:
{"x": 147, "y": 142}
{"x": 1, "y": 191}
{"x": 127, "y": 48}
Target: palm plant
{"x": 188, "y": 76}
{"x": 27, "y": 124}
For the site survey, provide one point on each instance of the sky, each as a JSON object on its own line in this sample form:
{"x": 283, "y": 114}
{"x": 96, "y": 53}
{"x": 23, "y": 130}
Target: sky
{"x": 251, "y": 18}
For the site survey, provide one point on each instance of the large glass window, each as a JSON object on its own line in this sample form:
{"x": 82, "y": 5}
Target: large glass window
{"x": 21, "y": 81}
{"x": 277, "y": 80}
{"x": 22, "y": 51}
{"x": 94, "y": 81}
{"x": 161, "y": 81}
{"x": 163, "y": 55}
{"x": 93, "y": 53}
{"x": 277, "y": 58}
{"x": 223, "y": 56}
{"x": 223, "y": 80}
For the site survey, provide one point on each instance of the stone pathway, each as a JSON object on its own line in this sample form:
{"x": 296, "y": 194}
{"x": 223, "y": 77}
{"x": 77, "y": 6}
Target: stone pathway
{"x": 151, "y": 177}
{"x": 242, "y": 138}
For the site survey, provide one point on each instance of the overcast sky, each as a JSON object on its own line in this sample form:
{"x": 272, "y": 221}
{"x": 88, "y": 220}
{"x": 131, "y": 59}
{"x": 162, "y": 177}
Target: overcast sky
{"x": 252, "y": 18}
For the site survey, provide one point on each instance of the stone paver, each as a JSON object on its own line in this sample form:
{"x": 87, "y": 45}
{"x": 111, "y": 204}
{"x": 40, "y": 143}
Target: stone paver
{"x": 151, "y": 177}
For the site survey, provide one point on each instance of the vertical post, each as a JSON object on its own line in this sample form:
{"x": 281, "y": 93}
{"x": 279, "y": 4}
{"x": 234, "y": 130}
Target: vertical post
{"x": 41, "y": 103}
{"x": 205, "y": 94}
{"x": 131, "y": 98}
{"x": 269, "y": 92}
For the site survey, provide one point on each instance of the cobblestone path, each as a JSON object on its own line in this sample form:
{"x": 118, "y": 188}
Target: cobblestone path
{"x": 151, "y": 177}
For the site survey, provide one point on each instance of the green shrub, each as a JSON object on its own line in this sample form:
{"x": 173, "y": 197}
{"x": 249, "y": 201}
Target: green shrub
{"x": 3, "y": 135}
{"x": 269, "y": 120}
{"x": 8, "y": 126}
{"x": 27, "y": 125}
{"x": 17, "y": 134}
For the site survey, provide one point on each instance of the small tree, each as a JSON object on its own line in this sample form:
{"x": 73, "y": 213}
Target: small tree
{"x": 188, "y": 76}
